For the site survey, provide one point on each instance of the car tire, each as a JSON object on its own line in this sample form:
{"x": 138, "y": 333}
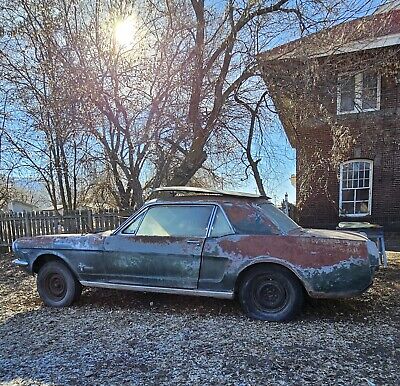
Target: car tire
{"x": 57, "y": 285}
{"x": 271, "y": 293}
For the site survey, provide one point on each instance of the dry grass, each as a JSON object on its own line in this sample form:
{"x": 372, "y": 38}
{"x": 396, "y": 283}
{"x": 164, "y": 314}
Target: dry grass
{"x": 125, "y": 338}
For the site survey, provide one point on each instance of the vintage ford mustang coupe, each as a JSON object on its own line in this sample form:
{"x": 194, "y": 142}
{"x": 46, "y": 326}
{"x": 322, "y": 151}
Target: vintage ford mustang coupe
{"x": 205, "y": 242}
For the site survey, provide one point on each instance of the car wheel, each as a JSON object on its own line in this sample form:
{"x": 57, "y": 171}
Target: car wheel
{"x": 56, "y": 284}
{"x": 271, "y": 293}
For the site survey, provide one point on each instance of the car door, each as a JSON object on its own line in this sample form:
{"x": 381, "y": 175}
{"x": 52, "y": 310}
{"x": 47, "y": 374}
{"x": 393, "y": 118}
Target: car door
{"x": 161, "y": 247}
{"x": 216, "y": 261}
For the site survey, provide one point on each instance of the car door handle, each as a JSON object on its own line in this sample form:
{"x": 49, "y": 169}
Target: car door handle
{"x": 197, "y": 242}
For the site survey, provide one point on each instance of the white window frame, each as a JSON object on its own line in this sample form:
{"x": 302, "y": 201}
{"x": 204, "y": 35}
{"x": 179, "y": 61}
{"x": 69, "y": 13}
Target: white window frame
{"x": 371, "y": 171}
{"x": 358, "y": 88}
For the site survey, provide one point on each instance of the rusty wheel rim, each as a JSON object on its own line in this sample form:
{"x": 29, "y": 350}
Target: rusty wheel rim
{"x": 269, "y": 294}
{"x": 56, "y": 286}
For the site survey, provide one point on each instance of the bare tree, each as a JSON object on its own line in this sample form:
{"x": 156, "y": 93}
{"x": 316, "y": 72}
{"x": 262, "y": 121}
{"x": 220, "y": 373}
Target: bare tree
{"x": 43, "y": 124}
{"x": 142, "y": 91}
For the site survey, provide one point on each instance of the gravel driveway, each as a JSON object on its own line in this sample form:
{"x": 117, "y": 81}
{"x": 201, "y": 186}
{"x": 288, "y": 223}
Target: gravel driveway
{"x": 127, "y": 338}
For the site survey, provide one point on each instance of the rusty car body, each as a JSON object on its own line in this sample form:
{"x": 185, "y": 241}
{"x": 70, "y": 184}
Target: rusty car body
{"x": 205, "y": 243}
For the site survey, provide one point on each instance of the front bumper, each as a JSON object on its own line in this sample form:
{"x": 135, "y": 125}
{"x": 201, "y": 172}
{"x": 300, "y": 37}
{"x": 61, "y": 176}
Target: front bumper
{"x": 20, "y": 263}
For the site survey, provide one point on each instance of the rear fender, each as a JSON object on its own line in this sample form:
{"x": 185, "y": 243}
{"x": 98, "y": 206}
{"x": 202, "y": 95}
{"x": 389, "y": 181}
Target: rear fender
{"x": 343, "y": 279}
{"x": 276, "y": 261}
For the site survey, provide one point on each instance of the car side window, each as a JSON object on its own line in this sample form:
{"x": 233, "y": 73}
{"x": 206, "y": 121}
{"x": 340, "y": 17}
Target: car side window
{"x": 221, "y": 226}
{"x": 176, "y": 221}
{"x": 134, "y": 225}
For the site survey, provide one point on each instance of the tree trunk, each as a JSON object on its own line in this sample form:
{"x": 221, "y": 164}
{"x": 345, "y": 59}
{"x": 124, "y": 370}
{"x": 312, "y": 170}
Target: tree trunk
{"x": 190, "y": 164}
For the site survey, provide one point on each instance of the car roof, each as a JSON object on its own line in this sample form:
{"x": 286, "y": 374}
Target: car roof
{"x": 191, "y": 191}
{"x": 207, "y": 199}
{"x": 192, "y": 197}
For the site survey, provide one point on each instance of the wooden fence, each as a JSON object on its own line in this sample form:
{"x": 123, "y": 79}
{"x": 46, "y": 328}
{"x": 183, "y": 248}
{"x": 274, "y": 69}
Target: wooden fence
{"x": 15, "y": 225}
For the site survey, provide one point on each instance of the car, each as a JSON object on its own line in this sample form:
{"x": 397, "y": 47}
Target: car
{"x": 205, "y": 242}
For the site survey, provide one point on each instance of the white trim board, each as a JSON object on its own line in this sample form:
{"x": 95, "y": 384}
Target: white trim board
{"x": 362, "y": 45}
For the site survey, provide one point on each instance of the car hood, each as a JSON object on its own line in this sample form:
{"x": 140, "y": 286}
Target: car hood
{"x": 330, "y": 234}
{"x": 64, "y": 241}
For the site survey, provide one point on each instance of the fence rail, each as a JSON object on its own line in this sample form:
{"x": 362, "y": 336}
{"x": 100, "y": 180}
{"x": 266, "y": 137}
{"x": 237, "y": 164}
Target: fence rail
{"x": 15, "y": 225}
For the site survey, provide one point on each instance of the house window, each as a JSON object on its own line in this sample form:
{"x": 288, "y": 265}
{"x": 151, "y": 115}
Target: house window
{"x": 355, "y": 196}
{"x": 358, "y": 92}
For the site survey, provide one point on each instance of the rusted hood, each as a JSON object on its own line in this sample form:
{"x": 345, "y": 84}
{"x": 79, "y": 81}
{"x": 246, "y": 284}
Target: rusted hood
{"x": 65, "y": 241}
{"x": 329, "y": 234}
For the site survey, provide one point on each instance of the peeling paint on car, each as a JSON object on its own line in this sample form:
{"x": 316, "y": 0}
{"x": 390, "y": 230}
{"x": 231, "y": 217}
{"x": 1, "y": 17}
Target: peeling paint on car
{"x": 65, "y": 241}
{"x": 328, "y": 263}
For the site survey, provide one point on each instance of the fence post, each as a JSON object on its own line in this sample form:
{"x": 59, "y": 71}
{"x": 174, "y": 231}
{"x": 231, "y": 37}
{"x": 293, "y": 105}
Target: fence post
{"x": 28, "y": 232}
{"x": 90, "y": 220}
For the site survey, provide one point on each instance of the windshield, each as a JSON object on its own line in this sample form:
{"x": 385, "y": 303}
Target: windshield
{"x": 283, "y": 222}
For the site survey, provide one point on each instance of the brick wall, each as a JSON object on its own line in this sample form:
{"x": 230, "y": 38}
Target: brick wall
{"x": 315, "y": 133}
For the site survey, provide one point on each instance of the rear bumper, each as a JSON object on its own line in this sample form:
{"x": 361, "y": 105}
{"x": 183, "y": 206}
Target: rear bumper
{"x": 373, "y": 255}
{"x": 339, "y": 295}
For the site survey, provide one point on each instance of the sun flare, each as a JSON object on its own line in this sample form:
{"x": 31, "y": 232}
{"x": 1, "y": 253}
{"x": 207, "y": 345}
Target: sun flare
{"x": 125, "y": 32}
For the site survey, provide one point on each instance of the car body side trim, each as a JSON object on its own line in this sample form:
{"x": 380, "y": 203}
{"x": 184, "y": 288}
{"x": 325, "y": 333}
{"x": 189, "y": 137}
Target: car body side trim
{"x": 165, "y": 290}
{"x": 210, "y": 222}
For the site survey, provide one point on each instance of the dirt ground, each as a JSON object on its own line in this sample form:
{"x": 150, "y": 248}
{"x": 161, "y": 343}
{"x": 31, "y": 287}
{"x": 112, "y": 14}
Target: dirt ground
{"x": 127, "y": 338}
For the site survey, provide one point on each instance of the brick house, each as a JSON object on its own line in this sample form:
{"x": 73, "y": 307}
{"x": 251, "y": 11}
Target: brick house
{"x": 337, "y": 93}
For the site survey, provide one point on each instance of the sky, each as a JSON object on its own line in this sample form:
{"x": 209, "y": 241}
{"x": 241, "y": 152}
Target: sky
{"x": 283, "y": 167}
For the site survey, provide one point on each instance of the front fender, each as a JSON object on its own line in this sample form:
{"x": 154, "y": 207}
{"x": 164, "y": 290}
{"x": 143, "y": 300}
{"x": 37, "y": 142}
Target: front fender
{"x": 31, "y": 256}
